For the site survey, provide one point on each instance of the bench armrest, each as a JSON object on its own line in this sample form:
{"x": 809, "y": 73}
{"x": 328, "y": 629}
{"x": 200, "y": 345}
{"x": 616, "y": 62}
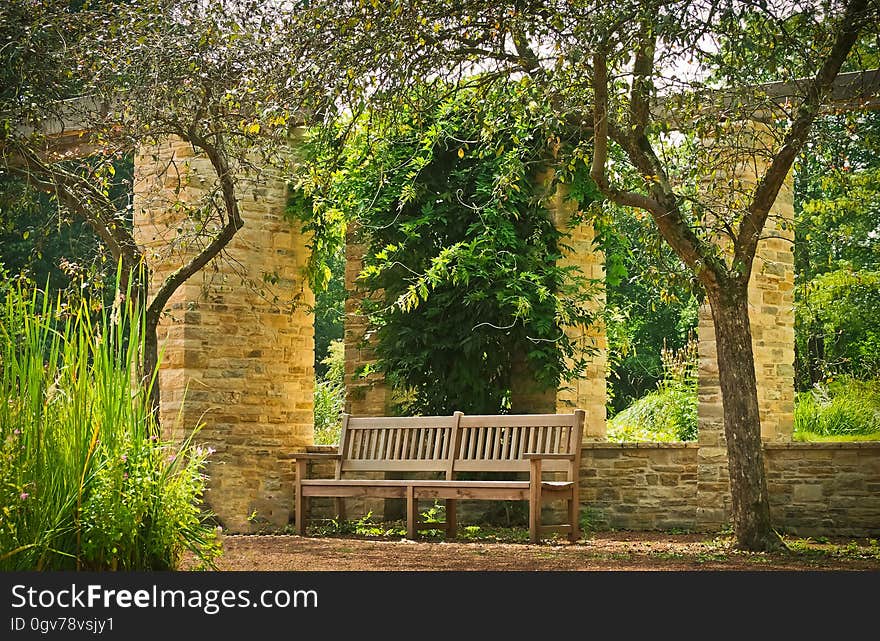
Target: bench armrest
{"x": 551, "y": 457}
{"x": 315, "y": 456}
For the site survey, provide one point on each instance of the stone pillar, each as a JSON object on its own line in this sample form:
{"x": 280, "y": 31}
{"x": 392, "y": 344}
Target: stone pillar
{"x": 713, "y": 481}
{"x": 364, "y": 396}
{"x": 588, "y": 391}
{"x": 771, "y": 315}
{"x": 526, "y": 396}
{"x": 238, "y": 337}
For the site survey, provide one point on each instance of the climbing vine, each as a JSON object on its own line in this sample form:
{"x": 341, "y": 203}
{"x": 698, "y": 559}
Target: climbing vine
{"x": 461, "y": 255}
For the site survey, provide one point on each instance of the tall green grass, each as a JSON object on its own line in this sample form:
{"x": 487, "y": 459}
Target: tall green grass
{"x": 330, "y": 397}
{"x": 843, "y": 409}
{"x": 85, "y": 482}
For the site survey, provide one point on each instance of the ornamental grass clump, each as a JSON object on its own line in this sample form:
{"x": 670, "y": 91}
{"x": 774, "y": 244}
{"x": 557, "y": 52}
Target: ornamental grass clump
{"x": 670, "y": 412}
{"x": 839, "y": 409}
{"x": 85, "y": 481}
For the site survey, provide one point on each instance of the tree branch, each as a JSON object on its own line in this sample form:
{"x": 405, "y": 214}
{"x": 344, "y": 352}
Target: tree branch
{"x": 663, "y": 206}
{"x": 641, "y": 84}
{"x": 746, "y": 243}
{"x": 232, "y": 224}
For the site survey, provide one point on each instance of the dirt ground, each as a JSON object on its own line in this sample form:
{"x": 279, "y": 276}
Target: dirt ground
{"x": 600, "y": 551}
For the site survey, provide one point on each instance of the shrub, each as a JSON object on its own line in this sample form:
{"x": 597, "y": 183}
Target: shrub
{"x": 85, "y": 482}
{"x": 668, "y": 413}
{"x": 836, "y": 326}
{"x": 842, "y": 408}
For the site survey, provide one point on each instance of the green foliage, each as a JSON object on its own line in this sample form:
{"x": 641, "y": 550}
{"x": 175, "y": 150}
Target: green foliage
{"x": 367, "y": 527}
{"x": 844, "y": 408}
{"x": 670, "y": 412}
{"x": 44, "y": 243}
{"x": 330, "y": 397}
{"x": 459, "y": 248}
{"x": 329, "y": 313}
{"x": 837, "y": 250}
{"x": 651, "y": 306}
{"x": 837, "y": 329}
{"x": 84, "y": 481}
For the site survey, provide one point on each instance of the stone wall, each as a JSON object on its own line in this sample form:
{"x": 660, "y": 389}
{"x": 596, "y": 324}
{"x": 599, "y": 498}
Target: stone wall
{"x": 816, "y": 489}
{"x": 238, "y": 337}
{"x": 824, "y": 488}
{"x": 827, "y": 489}
{"x": 639, "y": 486}
{"x": 587, "y": 391}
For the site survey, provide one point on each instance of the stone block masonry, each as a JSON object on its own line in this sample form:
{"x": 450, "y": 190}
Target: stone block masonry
{"x": 771, "y": 316}
{"x": 816, "y": 489}
{"x": 639, "y": 486}
{"x": 824, "y": 489}
{"x": 238, "y": 337}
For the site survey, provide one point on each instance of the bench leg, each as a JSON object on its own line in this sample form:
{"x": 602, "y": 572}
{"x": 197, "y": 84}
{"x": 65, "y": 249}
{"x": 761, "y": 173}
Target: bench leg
{"x": 574, "y": 511}
{"x": 451, "y": 519}
{"x": 340, "y": 509}
{"x": 412, "y": 512}
{"x": 299, "y": 509}
{"x": 535, "y": 500}
{"x": 573, "y": 518}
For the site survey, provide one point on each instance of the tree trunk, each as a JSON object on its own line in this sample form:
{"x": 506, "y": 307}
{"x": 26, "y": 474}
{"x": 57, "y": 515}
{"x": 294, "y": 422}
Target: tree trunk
{"x": 742, "y": 423}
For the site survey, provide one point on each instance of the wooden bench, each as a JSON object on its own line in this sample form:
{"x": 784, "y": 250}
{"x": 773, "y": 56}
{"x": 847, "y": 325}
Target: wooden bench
{"x": 447, "y": 446}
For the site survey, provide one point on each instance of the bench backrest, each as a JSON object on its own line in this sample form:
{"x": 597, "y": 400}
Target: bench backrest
{"x": 397, "y": 444}
{"x": 498, "y": 443}
{"x": 458, "y": 443}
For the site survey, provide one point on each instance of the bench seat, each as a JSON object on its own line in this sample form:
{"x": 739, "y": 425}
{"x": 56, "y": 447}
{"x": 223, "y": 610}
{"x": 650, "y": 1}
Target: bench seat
{"x": 502, "y": 444}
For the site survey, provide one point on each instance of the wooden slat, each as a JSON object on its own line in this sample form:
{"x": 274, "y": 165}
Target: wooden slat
{"x": 558, "y": 443}
{"x": 517, "y": 485}
{"x": 390, "y": 492}
{"x": 377, "y": 453}
{"x": 437, "y": 451}
{"x": 481, "y": 436}
{"x": 395, "y": 444}
{"x": 421, "y": 445}
{"x": 404, "y": 448}
{"x": 496, "y": 439}
{"x": 525, "y": 420}
{"x": 355, "y": 444}
{"x": 505, "y": 449}
{"x": 452, "y": 445}
{"x": 395, "y": 465}
{"x": 379, "y": 445}
{"x": 400, "y": 422}
{"x": 362, "y": 446}
{"x": 473, "y": 493}
{"x": 515, "y": 465}
{"x": 472, "y": 442}
{"x": 362, "y": 452}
